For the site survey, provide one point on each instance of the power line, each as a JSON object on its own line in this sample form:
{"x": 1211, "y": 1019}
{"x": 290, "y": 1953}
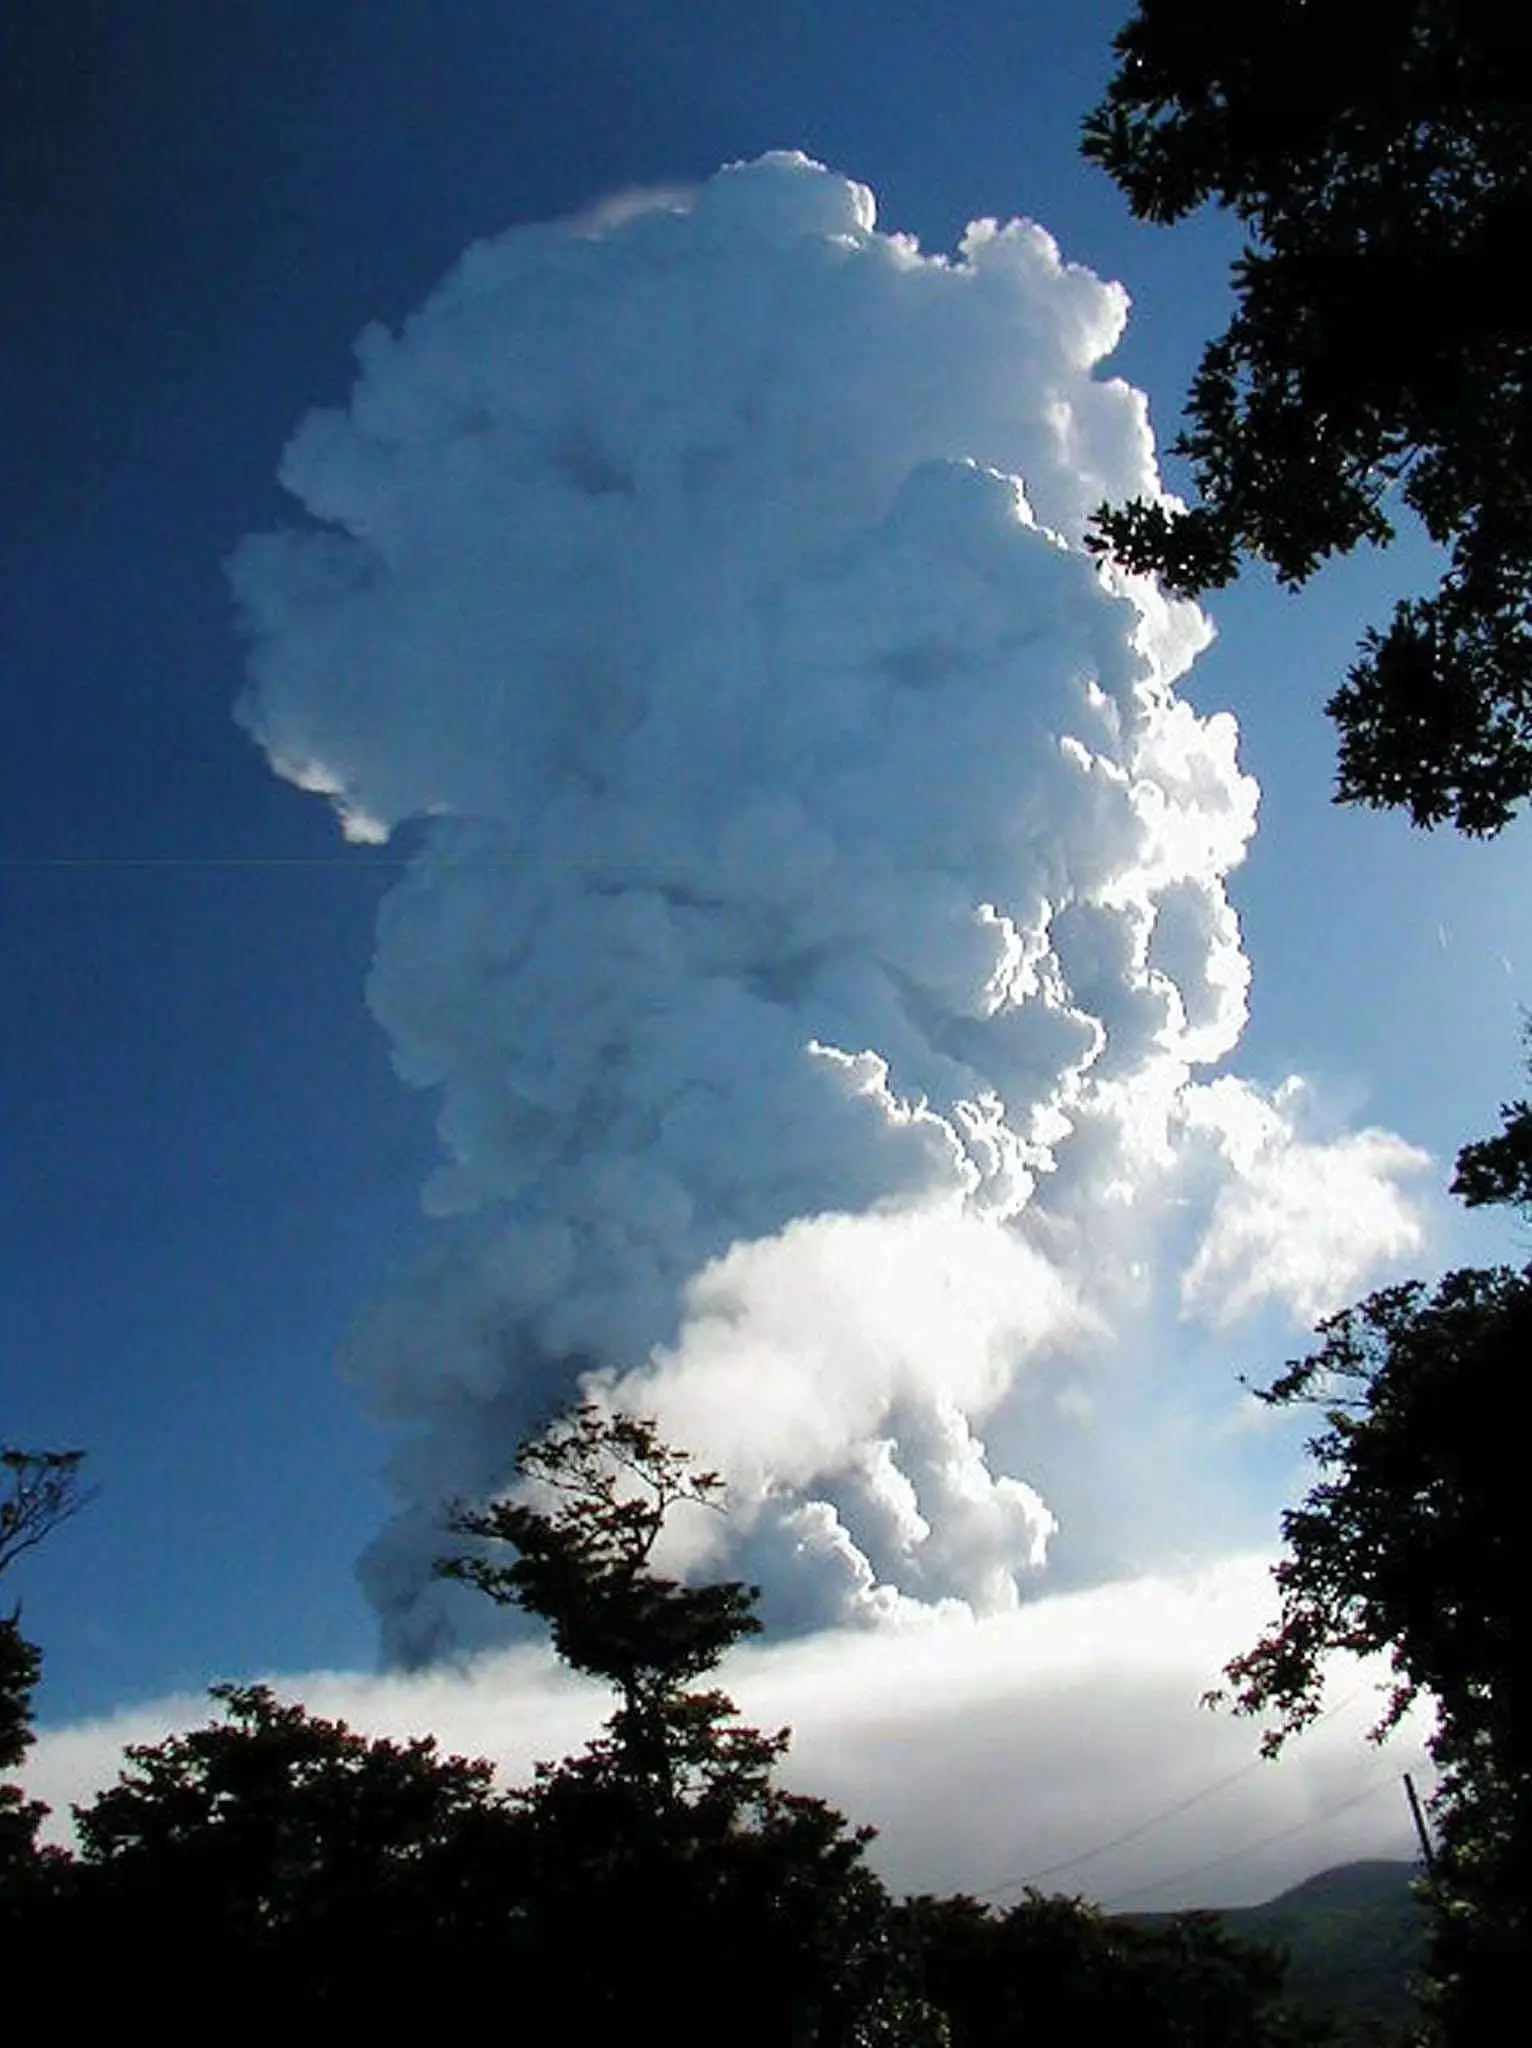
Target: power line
{"x": 354, "y": 863}
{"x": 1250, "y": 1848}
{"x": 1155, "y": 1820}
{"x": 1132, "y": 1834}
{"x": 31, "y": 863}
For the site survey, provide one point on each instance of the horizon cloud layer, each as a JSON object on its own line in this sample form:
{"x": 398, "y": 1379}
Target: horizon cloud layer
{"x": 1064, "y": 1744}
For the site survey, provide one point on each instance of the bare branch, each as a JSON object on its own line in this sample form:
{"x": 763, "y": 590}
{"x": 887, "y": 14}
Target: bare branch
{"x": 44, "y": 1490}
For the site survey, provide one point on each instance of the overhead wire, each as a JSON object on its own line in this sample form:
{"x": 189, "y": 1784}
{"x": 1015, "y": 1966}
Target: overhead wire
{"x": 1156, "y": 1819}
{"x": 1121, "y": 1841}
{"x": 24, "y": 863}
{"x": 1313, "y": 1820}
{"x": 359, "y": 862}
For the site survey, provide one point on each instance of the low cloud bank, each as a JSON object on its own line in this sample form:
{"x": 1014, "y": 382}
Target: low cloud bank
{"x": 1062, "y": 1744}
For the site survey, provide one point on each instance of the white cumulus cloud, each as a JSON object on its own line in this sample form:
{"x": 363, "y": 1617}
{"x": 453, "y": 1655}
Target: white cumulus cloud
{"x": 1299, "y": 1222}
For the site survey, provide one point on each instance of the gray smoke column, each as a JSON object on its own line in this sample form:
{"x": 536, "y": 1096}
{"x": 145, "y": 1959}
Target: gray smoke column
{"x": 816, "y": 904}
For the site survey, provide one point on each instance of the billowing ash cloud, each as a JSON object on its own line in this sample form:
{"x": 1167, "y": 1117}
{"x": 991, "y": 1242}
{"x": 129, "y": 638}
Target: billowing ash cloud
{"x": 817, "y": 905}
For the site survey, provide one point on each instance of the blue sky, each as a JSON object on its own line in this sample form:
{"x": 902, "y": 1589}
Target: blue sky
{"x": 209, "y": 1167}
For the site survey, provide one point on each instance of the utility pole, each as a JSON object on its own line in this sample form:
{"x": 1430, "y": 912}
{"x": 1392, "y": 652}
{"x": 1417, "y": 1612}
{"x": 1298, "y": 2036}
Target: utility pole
{"x": 1419, "y": 1818}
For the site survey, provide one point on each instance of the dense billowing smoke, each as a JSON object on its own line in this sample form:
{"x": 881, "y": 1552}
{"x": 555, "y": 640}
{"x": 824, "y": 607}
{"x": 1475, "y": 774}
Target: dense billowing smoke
{"x": 817, "y": 905}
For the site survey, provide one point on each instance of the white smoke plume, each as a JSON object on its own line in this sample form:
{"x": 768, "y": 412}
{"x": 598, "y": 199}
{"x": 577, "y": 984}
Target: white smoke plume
{"x": 817, "y": 911}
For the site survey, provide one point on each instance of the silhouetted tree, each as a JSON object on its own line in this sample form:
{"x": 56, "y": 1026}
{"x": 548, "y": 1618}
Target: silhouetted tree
{"x": 41, "y": 1490}
{"x": 667, "y": 1868}
{"x": 1378, "y": 154}
{"x": 657, "y": 1880}
{"x": 581, "y": 1563}
{"x": 1058, "y": 1969}
{"x": 1411, "y": 1544}
{"x": 1498, "y": 1170}
{"x": 20, "y": 1817}
{"x": 308, "y": 1872}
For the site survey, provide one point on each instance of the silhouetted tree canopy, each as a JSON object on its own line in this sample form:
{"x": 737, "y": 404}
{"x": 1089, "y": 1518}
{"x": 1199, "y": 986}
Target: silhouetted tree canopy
{"x": 1057, "y": 1969}
{"x": 20, "y": 1667}
{"x": 664, "y": 1854}
{"x": 1407, "y": 1545}
{"x": 41, "y": 1490}
{"x": 1412, "y": 1544}
{"x": 308, "y": 1870}
{"x": 1498, "y": 1170}
{"x": 1378, "y": 154}
{"x": 276, "y": 1870}
{"x": 659, "y": 1881}
{"x": 581, "y": 1563}
{"x": 20, "y": 1817}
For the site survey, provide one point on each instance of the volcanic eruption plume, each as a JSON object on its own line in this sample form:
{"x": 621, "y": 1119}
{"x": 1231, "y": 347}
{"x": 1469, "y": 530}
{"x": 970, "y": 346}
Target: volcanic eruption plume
{"x": 816, "y": 907}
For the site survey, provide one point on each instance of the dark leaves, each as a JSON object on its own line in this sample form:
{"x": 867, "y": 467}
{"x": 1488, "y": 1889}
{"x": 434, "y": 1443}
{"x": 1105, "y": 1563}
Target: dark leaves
{"x": 1380, "y": 154}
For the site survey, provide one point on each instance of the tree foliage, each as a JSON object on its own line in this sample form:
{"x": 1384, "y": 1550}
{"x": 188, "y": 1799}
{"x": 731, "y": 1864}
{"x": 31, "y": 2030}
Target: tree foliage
{"x": 42, "y": 1489}
{"x": 665, "y": 1853}
{"x": 1059, "y": 1969}
{"x": 291, "y": 1871}
{"x": 1407, "y": 1546}
{"x": 581, "y": 1563}
{"x": 20, "y": 1817}
{"x": 1378, "y": 154}
{"x": 1410, "y": 1545}
{"x": 311, "y": 1871}
{"x": 1499, "y": 1169}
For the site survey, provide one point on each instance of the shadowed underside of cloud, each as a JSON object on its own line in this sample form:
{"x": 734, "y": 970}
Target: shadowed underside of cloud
{"x": 817, "y": 932}
{"x": 989, "y": 1753}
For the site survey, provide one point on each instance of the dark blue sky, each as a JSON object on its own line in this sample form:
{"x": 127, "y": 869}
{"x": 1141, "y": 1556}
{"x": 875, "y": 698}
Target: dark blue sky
{"x": 208, "y": 1166}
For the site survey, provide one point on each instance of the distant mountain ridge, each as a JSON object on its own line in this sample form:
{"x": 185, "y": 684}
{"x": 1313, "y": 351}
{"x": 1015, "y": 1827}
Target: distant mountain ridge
{"x": 1356, "y": 1936}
